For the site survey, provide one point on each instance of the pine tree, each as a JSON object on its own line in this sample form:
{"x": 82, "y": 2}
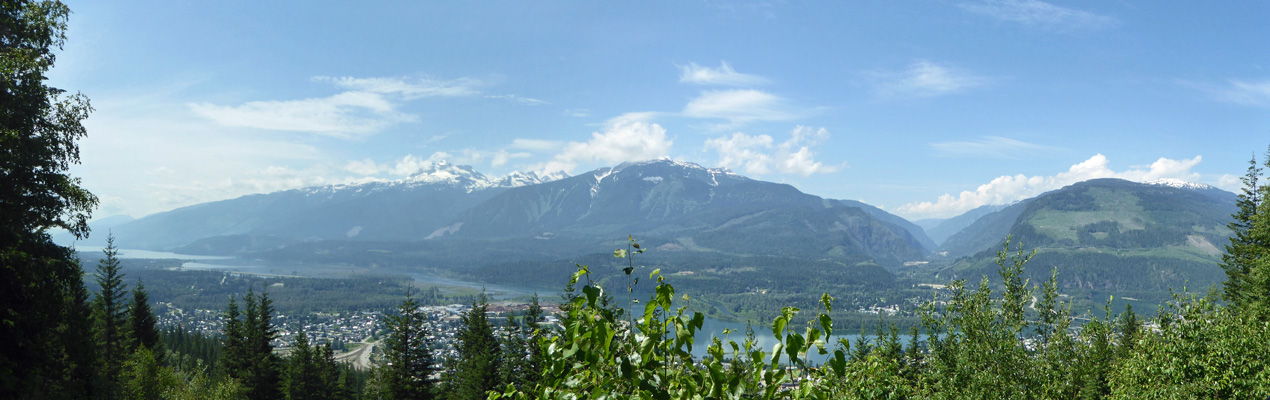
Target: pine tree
{"x": 514, "y": 364}
{"x": 248, "y": 349}
{"x": 234, "y": 343}
{"x": 141, "y": 320}
{"x": 408, "y": 353}
{"x": 533, "y": 317}
{"x": 475, "y": 372}
{"x": 301, "y": 381}
{"x": 332, "y": 377}
{"x": 110, "y": 315}
{"x": 264, "y": 372}
{"x": 1247, "y": 278}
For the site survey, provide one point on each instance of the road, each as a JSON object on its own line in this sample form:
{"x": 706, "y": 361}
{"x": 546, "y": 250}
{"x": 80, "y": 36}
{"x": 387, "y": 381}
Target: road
{"x": 359, "y": 357}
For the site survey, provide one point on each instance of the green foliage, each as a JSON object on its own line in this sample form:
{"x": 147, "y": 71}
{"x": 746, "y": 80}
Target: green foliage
{"x": 110, "y": 321}
{"x": 1202, "y": 351}
{"x": 248, "y": 352}
{"x": 476, "y": 369}
{"x": 48, "y": 350}
{"x": 144, "y": 378}
{"x": 207, "y": 290}
{"x": 39, "y": 126}
{"x": 1245, "y": 260}
{"x": 1016, "y": 343}
{"x": 598, "y": 354}
{"x": 142, "y": 325}
{"x": 311, "y": 373}
{"x": 190, "y": 351}
{"x": 408, "y": 355}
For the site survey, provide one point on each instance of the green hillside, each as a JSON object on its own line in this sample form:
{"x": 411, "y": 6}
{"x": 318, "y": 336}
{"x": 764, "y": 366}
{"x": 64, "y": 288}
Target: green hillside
{"x": 1111, "y": 236}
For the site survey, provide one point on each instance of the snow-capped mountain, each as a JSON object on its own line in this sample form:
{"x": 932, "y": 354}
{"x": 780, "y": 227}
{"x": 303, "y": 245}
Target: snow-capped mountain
{"x": 376, "y": 209}
{"x": 442, "y": 173}
{"x": 700, "y": 207}
{"x": 1180, "y": 184}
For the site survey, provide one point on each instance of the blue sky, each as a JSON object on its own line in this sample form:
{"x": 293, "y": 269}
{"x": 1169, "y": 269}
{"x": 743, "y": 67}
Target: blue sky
{"x": 924, "y": 108}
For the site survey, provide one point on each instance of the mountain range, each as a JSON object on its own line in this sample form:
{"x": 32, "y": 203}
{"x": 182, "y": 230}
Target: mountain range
{"x": 688, "y": 206}
{"x": 1102, "y": 235}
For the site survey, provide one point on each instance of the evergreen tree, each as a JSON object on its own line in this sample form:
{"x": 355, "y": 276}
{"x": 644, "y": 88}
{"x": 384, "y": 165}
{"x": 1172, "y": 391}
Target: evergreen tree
{"x": 514, "y": 363}
{"x": 301, "y": 380}
{"x": 248, "y": 349}
{"x": 522, "y": 358}
{"x": 110, "y": 315}
{"x": 475, "y": 372}
{"x": 47, "y": 343}
{"x": 408, "y": 354}
{"x": 141, "y": 320}
{"x": 234, "y": 342}
{"x": 264, "y": 376}
{"x": 332, "y": 377}
{"x": 1248, "y": 285}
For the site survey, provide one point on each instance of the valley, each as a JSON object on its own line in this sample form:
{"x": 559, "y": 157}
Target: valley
{"x": 743, "y": 248}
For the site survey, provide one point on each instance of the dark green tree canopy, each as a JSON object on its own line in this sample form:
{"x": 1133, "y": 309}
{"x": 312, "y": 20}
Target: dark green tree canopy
{"x": 39, "y": 127}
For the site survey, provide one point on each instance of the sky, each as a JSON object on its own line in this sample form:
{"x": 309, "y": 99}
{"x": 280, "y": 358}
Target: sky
{"x": 926, "y": 109}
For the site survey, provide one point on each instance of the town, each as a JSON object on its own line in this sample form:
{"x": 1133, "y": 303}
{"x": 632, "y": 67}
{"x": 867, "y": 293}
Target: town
{"x": 354, "y": 334}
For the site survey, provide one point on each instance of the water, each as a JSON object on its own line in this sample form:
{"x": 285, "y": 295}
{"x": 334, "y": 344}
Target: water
{"x": 146, "y": 254}
{"x": 492, "y": 291}
{"x": 246, "y": 269}
{"x": 711, "y": 328}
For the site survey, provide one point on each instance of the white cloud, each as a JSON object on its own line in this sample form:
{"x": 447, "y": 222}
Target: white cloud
{"x": 739, "y": 107}
{"x": 342, "y": 115}
{"x": 1007, "y": 189}
{"x": 760, "y": 155}
{"x": 366, "y": 106}
{"x": 406, "y": 87}
{"x": 407, "y": 165}
{"x": 924, "y": 79}
{"x": 1230, "y": 183}
{"x": 1039, "y": 14}
{"x": 724, "y": 75}
{"x": 518, "y": 98}
{"x": 625, "y": 138}
{"x": 536, "y": 144}
{"x": 990, "y": 146}
{"x": 365, "y": 167}
{"x": 502, "y": 157}
{"x": 1255, "y": 94}
{"x": 577, "y": 112}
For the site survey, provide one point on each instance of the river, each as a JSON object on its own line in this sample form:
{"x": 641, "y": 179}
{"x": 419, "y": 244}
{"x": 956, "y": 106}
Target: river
{"x": 710, "y": 328}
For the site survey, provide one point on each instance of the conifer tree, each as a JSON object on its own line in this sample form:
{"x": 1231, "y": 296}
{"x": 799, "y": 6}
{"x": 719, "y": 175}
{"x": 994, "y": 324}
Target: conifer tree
{"x": 301, "y": 380}
{"x": 408, "y": 354}
{"x": 248, "y": 349}
{"x": 141, "y": 320}
{"x": 264, "y": 376}
{"x": 234, "y": 342}
{"x": 475, "y": 372}
{"x": 110, "y": 315}
{"x": 1248, "y": 253}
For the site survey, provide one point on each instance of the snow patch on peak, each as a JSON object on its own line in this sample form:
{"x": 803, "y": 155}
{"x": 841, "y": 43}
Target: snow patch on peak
{"x": 1178, "y": 183}
{"x": 444, "y": 172}
{"x": 438, "y": 173}
{"x": 518, "y": 179}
